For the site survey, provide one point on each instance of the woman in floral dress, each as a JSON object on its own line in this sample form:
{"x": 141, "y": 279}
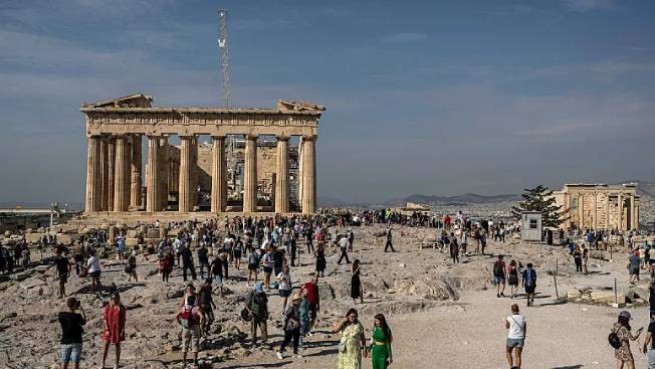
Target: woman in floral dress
{"x": 353, "y": 341}
{"x": 622, "y": 329}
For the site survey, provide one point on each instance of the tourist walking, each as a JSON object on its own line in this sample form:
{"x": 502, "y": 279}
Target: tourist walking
{"x": 343, "y": 246}
{"x": 634, "y": 266}
{"x": 94, "y": 270}
{"x": 314, "y": 298}
{"x": 389, "y": 243}
{"x": 72, "y": 326}
{"x": 577, "y": 258}
{"x": 321, "y": 262}
{"x": 284, "y": 285}
{"x": 512, "y": 278}
{"x": 253, "y": 266}
{"x": 352, "y": 343}
{"x": 267, "y": 266}
{"x": 257, "y": 306}
{"x": 454, "y": 248}
{"x": 649, "y": 342}
{"x": 303, "y": 309}
{"x": 207, "y": 306}
{"x": 529, "y": 282}
{"x": 499, "y": 276}
{"x": 216, "y": 271}
{"x": 130, "y": 268}
{"x": 356, "y": 283}
{"x": 166, "y": 266}
{"x": 191, "y": 319}
{"x": 291, "y": 326}
{"x": 381, "y": 353}
{"x": 203, "y": 260}
{"x": 622, "y": 329}
{"x": 187, "y": 262}
{"x": 63, "y": 271}
{"x": 114, "y": 331}
{"x": 517, "y": 327}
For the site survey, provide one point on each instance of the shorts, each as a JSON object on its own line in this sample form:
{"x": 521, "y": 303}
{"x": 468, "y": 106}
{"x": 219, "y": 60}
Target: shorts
{"x": 530, "y": 289}
{"x": 191, "y": 339}
{"x": 499, "y": 279}
{"x": 268, "y": 270}
{"x": 237, "y": 254}
{"x": 63, "y": 279}
{"x": 515, "y": 342}
{"x": 95, "y": 274}
{"x": 285, "y": 293}
{"x": 252, "y": 266}
{"x": 634, "y": 271}
{"x": 219, "y": 280}
{"x": 71, "y": 353}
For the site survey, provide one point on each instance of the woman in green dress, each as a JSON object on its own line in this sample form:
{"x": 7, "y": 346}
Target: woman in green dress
{"x": 381, "y": 346}
{"x": 353, "y": 342}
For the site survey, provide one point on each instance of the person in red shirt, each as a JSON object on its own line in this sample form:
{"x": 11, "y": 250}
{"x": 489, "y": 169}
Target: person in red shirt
{"x": 114, "y": 332}
{"x": 314, "y": 299}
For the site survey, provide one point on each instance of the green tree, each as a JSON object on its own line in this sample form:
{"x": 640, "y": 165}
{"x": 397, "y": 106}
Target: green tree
{"x": 540, "y": 199}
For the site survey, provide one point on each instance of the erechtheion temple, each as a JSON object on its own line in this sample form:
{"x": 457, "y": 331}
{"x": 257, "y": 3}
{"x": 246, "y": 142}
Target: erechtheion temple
{"x": 599, "y": 206}
{"x": 178, "y": 178}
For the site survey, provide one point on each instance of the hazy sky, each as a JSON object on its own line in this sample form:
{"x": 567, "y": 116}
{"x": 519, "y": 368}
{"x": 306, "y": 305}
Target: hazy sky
{"x": 433, "y": 97}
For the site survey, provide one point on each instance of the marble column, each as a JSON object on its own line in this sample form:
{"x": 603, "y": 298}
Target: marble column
{"x": 136, "y": 170}
{"x": 282, "y": 176}
{"x": 581, "y": 224}
{"x": 607, "y": 211}
{"x": 594, "y": 204}
{"x": 219, "y": 179}
{"x": 93, "y": 185}
{"x": 567, "y": 209}
{"x": 250, "y": 176}
{"x": 193, "y": 173}
{"x": 120, "y": 175}
{"x": 111, "y": 168}
{"x": 620, "y": 211}
{"x": 184, "y": 188}
{"x": 152, "y": 175}
{"x": 634, "y": 222}
{"x": 104, "y": 160}
{"x": 164, "y": 172}
{"x": 309, "y": 175}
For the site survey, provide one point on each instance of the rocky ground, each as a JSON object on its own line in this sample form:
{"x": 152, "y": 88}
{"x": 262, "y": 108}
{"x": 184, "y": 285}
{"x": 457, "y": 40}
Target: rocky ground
{"x": 442, "y": 315}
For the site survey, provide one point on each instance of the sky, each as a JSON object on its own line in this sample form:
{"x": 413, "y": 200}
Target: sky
{"x": 430, "y": 97}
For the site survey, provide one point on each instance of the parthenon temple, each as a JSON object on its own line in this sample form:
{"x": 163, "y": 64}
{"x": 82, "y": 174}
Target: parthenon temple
{"x": 270, "y": 173}
{"x": 599, "y": 206}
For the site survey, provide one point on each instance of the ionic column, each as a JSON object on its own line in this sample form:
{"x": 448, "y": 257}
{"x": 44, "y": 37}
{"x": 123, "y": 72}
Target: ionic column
{"x": 282, "y": 176}
{"x": 164, "y": 172}
{"x": 136, "y": 170}
{"x": 120, "y": 175}
{"x": 193, "y": 172}
{"x": 184, "y": 188}
{"x": 250, "y": 176}
{"x": 152, "y": 175}
{"x": 104, "y": 160}
{"x": 309, "y": 175}
{"x": 620, "y": 211}
{"x": 219, "y": 179}
{"x": 111, "y": 168}
{"x": 93, "y": 186}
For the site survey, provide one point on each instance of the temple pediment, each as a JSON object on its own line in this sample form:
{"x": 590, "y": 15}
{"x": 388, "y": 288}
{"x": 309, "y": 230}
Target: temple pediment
{"x": 129, "y": 101}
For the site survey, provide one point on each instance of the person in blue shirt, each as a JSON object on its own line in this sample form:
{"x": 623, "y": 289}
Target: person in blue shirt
{"x": 529, "y": 282}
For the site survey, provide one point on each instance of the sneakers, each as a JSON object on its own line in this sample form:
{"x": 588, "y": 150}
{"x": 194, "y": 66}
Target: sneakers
{"x": 279, "y": 355}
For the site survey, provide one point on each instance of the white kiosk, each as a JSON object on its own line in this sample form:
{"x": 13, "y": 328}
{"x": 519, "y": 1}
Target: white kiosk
{"x": 531, "y": 228}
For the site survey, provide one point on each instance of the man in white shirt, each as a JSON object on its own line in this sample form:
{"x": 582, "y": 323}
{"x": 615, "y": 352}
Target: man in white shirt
{"x": 517, "y": 326}
{"x": 343, "y": 245}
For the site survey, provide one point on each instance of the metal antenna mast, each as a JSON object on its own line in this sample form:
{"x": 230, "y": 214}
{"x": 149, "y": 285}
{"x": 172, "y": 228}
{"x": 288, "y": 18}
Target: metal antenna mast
{"x": 225, "y": 79}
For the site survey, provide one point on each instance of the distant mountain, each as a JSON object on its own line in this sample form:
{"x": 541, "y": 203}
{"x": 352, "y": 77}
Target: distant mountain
{"x": 469, "y": 198}
{"x": 331, "y": 202}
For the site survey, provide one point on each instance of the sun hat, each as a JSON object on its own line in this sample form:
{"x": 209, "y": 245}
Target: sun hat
{"x": 296, "y": 296}
{"x": 625, "y": 314}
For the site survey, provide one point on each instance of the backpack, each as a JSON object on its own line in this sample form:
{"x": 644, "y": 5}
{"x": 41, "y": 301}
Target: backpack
{"x": 614, "y": 340}
{"x": 187, "y": 318}
{"x": 498, "y": 269}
